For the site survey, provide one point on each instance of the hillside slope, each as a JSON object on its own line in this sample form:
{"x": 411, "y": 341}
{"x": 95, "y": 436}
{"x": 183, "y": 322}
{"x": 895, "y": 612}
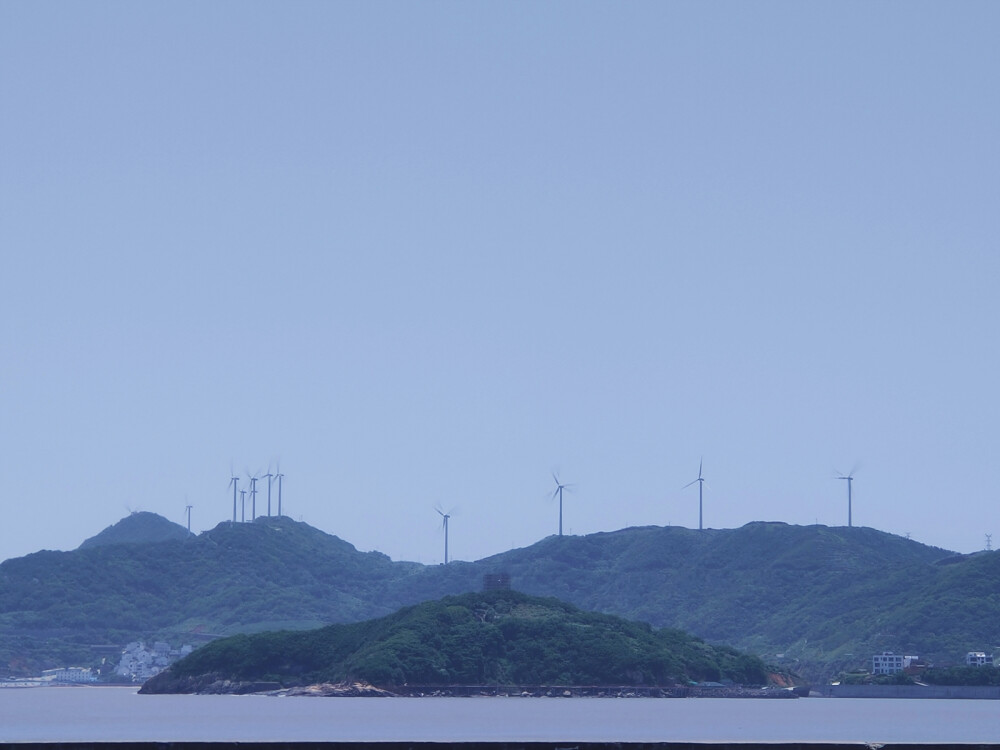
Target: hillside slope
{"x": 234, "y": 578}
{"x": 815, "y": 598}
{"x": 499, "y": 637}
{"x": 824, "y": 597}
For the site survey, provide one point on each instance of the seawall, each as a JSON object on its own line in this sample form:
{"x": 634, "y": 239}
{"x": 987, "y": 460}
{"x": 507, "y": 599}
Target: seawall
{"x": 984, "y": 692}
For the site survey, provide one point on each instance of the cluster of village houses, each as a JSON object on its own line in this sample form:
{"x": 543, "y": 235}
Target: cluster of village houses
{"x": 138, "y": 663}
{"x": 889, "y": 663}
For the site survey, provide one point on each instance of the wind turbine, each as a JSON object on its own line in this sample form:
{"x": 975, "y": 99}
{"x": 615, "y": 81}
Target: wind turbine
{"x": 850, "y": 481}
{"x": 269, "y": 476}
{"x": 234, "y": 481}
{"x": 444, "y": 525}
{"x": 559, "y": 491}
{"x": 188, "y": 508}
{"x": 243, "y": 506}
{"x": 701, "y": 483}
{"x": 278, "y": 476}
{"x": 253, "y": 495}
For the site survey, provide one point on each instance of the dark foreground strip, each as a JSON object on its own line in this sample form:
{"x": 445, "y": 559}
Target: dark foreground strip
{"x": 485, "y": 746}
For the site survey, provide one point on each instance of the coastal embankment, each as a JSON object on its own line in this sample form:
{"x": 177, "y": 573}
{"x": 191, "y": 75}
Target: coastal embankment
{"x": 982, "y": 692}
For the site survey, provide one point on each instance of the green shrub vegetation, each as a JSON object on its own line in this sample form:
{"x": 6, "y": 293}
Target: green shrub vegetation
{"x": 500, "y": 637}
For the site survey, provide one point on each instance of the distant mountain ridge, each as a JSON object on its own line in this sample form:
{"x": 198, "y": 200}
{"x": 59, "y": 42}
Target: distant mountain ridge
{"x": 814, "y": 598}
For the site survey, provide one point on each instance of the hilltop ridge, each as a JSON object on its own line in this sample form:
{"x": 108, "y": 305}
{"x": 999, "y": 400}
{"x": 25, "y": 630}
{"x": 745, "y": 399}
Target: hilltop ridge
{"x": 814, "y": 598}
{"x": 139, "y": 527}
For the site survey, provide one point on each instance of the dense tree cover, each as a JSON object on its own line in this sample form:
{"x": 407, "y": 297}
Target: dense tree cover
{"x": 816, "y": 599}
{"x": 235, "y": 578}
{"x": 500, "y": 637}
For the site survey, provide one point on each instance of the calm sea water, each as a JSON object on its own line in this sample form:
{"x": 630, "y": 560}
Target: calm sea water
{"x": 120, "y": 714}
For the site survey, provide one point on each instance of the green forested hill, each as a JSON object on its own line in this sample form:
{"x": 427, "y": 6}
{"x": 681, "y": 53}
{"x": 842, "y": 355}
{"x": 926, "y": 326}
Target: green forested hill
{"x": 498, "y": 637}
{"x": 814, "y": 598}
{"x": 234, "y": 578}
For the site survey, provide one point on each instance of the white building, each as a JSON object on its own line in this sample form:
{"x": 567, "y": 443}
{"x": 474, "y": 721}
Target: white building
{"x": 69, "y": 674}
{"x": 890, "y": 663}
{"x": 978, "y": 659}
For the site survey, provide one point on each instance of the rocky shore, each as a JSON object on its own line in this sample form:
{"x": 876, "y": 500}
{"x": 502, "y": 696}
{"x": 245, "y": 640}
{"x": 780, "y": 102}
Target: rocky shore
{"x": 216, "y": 685}
{"x": 576, "y": 691}
{"x": 331, "y": 690}
{"x": 165, "y": 683}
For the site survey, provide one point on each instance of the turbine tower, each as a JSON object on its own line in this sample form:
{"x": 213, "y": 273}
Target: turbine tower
{"x": 701, "y": 483}
{"x": 279, "y": 476}
{"x": 253, "y": 496}
{"x": 444, "y": 525}
{"x": 188, "y": 508}
{"x": 235, "y": 480}
{"x": 558, "y": 491}
{"x": 850, "y": 479}
{"x": 243, "y": 506}
{"x": 269, "y": 476}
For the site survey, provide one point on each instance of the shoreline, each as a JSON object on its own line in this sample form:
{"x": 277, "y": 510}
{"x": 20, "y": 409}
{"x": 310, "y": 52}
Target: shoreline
{"x": 364, "y": 690}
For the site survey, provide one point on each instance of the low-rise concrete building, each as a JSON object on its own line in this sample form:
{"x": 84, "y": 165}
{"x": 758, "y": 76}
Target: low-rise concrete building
{"x": 69, "y": 674}
{"x": 889, "y": 663}
{"x": 978, "y": 659}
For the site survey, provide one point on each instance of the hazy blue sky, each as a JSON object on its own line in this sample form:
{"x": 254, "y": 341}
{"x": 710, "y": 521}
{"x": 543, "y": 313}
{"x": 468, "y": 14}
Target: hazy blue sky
{"x": 426, "y": 253}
